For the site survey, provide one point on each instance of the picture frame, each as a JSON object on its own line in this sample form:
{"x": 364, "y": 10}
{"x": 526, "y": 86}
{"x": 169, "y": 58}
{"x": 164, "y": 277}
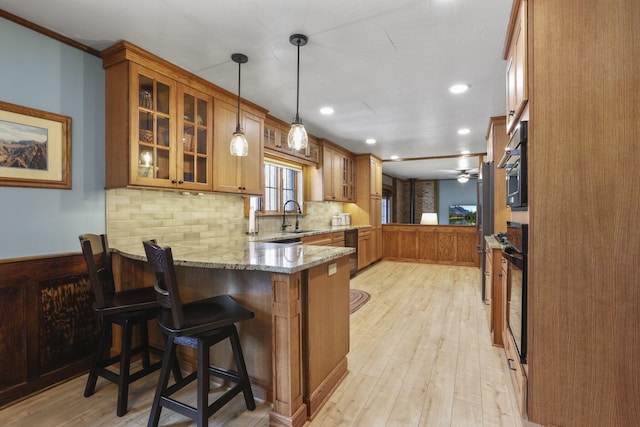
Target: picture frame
{"x": 35, "y": 148}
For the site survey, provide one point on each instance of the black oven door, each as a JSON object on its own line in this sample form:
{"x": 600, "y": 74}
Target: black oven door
{"x": 517, "y": 302}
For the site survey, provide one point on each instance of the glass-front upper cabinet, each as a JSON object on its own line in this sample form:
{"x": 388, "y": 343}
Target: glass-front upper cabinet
{"x": 172, "y": 145}
{"x": 195, "y": 137}
{"x": 153, "y": 130}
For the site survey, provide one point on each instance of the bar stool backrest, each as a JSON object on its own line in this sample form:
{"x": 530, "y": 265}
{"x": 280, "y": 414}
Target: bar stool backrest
{"x": 95, "y": 249}
{"x": 161, "y": 261}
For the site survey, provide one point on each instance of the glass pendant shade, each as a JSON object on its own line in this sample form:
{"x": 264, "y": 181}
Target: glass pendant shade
{"x": 239, "y": 145}
{"x": 463, "y": 178}
{"x": 298, "y": 139}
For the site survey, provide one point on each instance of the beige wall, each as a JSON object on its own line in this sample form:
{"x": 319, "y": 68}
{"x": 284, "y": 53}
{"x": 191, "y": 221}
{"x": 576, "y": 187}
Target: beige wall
{"x": 135, "y": 214}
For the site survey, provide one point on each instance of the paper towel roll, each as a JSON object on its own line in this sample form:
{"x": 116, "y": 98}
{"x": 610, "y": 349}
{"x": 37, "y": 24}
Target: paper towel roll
{"x": 252, "y": 221}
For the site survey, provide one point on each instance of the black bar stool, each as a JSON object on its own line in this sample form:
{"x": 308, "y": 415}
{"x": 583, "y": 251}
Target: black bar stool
{"x": 199, "y": 325}
{"x": 126, "y": 309}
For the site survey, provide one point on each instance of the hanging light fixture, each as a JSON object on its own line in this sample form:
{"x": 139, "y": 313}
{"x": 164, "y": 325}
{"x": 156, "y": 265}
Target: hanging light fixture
{"x": 298, "y": 138}
{"x": 239, "y": 145}
{"x": 463, "y": 177}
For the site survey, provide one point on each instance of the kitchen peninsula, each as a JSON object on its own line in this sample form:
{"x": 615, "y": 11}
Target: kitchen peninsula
{"x": 296, "y": 346}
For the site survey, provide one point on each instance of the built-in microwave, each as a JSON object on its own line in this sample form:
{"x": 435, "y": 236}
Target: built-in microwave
{"x": 514, "y": 161}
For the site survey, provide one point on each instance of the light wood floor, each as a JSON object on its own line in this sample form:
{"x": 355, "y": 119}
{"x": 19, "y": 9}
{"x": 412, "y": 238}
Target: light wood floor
{"x": 420, "y": 356}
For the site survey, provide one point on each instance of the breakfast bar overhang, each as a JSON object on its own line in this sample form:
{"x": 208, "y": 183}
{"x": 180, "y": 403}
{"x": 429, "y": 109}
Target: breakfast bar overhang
{"x": 296, "y": 346}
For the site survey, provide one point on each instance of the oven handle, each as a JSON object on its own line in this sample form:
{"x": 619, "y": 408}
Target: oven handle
{"x": 516, "y": 260}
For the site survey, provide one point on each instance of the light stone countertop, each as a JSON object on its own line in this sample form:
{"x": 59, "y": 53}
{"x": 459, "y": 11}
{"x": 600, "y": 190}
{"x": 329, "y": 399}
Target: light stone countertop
{"x": 493, "y": 243}
{"x": 260, "y": 256}
{"x": 283, "y": 235}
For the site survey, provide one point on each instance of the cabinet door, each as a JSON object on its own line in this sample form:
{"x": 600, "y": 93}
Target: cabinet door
{"x": 331, "y": 174}
{"x": 194, "y": 150}
{"x": 376, "y": 228}
{"x": 517, "y": 88}
{"x": 375, "y": 177}
{"x": 251, "y": 166}
{"x": 225, "y": 166}
{"x": 233, "y": 174}
{"x": 348, "y": 179}
{"x": 153, "y": 129}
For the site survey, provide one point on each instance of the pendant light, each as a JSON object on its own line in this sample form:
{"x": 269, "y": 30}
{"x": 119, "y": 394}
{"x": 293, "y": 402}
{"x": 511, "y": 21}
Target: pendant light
{"x": 239, "y": 145}
{"x": 298, "y": 139}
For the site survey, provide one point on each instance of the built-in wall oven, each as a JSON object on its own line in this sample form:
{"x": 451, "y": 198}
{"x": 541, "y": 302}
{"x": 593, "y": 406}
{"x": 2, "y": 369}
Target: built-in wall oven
{"x": 515, "y": 252}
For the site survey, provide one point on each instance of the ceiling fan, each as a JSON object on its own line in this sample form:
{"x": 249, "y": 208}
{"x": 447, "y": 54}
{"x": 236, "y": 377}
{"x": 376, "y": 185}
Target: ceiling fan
{"x": 465, "y": 174}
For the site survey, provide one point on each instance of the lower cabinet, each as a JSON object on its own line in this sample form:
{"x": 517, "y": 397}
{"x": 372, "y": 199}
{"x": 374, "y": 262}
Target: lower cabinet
{"x": 494, "y": 291}
{"x": 333, "y": 238}
{"x": 364, "y": 247}
{"x": 438, "y": 244}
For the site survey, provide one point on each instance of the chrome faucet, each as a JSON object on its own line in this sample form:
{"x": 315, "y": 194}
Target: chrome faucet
{"x": 299, "y": 212}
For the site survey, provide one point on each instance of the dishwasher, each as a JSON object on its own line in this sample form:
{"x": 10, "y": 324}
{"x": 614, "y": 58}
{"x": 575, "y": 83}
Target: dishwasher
{"x": 351, "y": 241}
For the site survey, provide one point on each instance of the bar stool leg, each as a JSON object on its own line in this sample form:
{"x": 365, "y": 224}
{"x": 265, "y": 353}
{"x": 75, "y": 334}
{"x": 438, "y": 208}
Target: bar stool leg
{"x": 242, "y": 370}
{"x": 203, "y": 385}
{"x": 97, "y": 358}
{"x": 144, "y": 342}
{"x": 167, "y": 361}
{"x": 125, "y": 360}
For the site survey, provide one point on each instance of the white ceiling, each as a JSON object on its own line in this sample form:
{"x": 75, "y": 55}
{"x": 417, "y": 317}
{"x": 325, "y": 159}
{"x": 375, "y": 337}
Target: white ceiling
{"x": 384, "y": 65}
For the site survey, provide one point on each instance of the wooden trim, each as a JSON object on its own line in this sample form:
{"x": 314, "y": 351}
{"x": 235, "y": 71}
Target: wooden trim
{"x": 449, "y": 156}
{"x": 125, "y": 51}
{"x": 49, "y": 33}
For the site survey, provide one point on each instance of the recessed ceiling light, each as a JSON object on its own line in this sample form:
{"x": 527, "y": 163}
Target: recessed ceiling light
{"x": 370, "y": 141}
{"x": 459, "y": 88}
{"x": 394, "y": 157}
{"x": 465, "y": 152}
{"x": 326, "y": 111}
{"x": 463, "y": 131}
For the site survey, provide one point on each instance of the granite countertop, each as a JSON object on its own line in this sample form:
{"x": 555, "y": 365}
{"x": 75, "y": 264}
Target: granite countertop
{"x": 260, "y": 256}
{"x": 285, "y": 235}
{"x": 493, "y": 243}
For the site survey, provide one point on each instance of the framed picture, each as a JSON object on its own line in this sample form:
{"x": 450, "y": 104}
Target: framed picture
{"x": 35, "y": 148}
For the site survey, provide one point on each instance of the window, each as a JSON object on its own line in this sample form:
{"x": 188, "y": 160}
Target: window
{"x": 386, "y": 202}
{"x": 282, "y": 182}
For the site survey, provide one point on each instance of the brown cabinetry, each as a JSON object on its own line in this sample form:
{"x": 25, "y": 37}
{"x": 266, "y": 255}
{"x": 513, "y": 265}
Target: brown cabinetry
{"x": 497, "y": 139}
{"x": 439, "y": 244}
{"x": 338, "y": 174}
{"x": 364, "y": 247}
{"x": 275, "y": 142}
{"x": 367, "y": 209}
{"x": 516, "y": 56}
{"x": 334, "y": 238}
{"x": 158, "y": 129}
{"x": 233, "y": 174}
{"x": 494, "y": 290}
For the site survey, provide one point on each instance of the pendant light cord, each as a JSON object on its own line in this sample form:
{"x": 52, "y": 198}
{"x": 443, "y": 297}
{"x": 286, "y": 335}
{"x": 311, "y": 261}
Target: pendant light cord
{"x": 298, "y": 85}
{"x": 238, "y": 116}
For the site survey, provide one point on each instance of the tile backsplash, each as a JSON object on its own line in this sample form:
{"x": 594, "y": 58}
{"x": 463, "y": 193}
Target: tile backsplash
{"x": 134, "y": 215}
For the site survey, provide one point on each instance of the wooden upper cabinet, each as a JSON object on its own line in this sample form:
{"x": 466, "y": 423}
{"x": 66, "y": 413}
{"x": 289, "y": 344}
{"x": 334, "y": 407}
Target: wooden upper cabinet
{"x": 376, "y": 176}
{"x": 275, "y": 137}
{"x": 338, "y": 174}
{"x": 160, "y": 128}
{"x": 234, "y": 174}
{"x": 516, "y": 74}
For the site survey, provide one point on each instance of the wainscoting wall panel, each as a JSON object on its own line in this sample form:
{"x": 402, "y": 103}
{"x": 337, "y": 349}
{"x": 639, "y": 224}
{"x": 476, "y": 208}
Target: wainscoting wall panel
{"x": 48, "y": 330}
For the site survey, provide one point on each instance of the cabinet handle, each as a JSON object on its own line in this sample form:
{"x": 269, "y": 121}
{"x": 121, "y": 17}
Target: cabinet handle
{"x": 509, "y": 364}
{"x": 181, "y": 182}
{"x": 173, "y": 181}
{"x": 512, "y": 112}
